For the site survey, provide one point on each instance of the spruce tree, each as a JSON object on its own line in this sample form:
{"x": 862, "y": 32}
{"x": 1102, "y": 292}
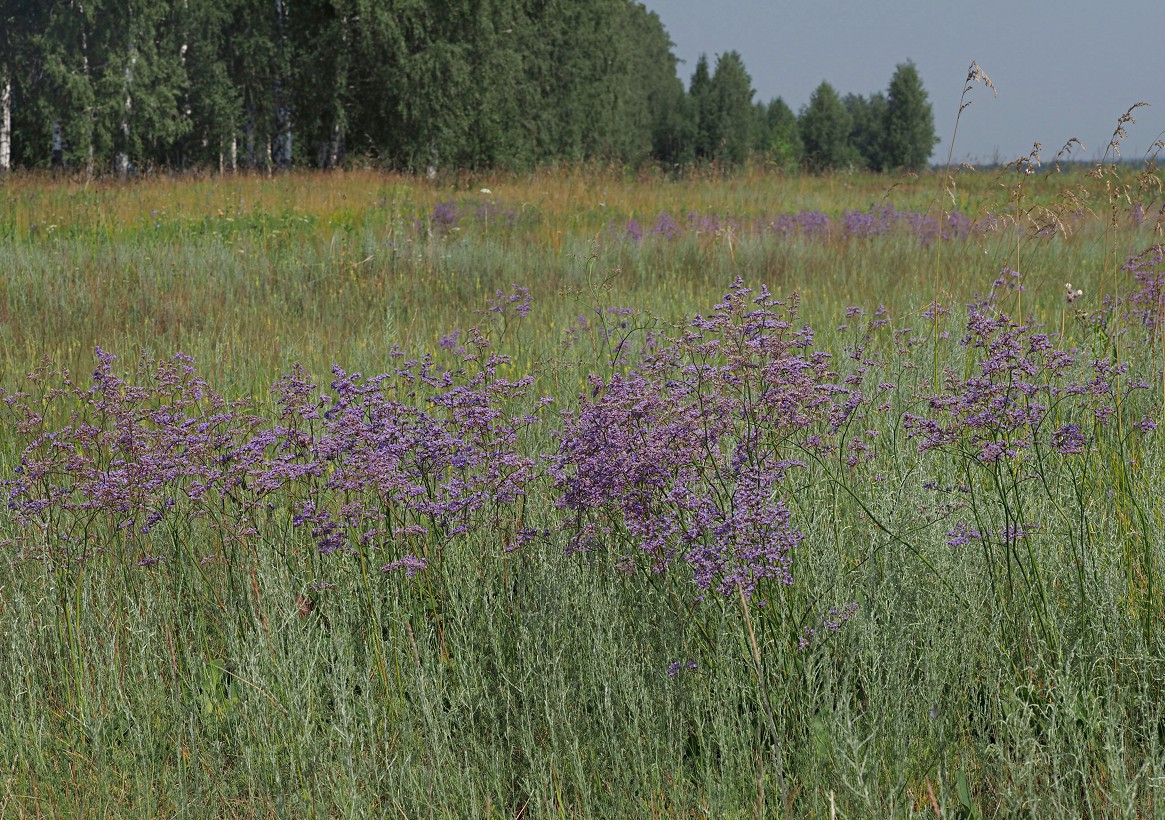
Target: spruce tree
{"x": 909, "y": 130}
{"x": 656, "y": 107}
{"x": 824, "y": 125}
{"x": 702, "y": 107}
{"x": 731, "y": 93}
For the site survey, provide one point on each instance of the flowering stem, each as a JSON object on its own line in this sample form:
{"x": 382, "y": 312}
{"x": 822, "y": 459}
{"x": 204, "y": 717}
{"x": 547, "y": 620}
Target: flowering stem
{"x": 766, "y": 704}
{"x": 374, "y": 619}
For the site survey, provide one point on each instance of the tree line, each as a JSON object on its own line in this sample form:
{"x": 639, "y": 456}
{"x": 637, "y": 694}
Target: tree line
{"x": 119, "y": 85}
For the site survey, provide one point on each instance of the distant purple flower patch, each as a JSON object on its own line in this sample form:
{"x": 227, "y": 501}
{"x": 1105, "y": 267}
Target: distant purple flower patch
{"x": 812, "y": 225}
{"x": 444, "y": 218}
{"x": 665, "y": 226}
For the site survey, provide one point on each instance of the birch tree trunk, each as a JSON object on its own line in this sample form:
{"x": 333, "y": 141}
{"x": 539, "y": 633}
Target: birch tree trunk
{"x": 5, "y": 119}
{"x": 58, "y": 140}
{"x": 58, "y": 146}
{"x": 336, "y": 146}
{"x": 121, "y": 160}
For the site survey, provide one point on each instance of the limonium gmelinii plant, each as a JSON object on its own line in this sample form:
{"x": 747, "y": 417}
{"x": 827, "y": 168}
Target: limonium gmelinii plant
{"x": 391, "y": 467}
{"x": 1017, "y": 418}
{"x": 684, "y": 458}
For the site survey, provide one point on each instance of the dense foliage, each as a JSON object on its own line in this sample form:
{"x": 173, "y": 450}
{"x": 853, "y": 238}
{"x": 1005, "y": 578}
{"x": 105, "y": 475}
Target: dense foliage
{"x": 133, "y": 85}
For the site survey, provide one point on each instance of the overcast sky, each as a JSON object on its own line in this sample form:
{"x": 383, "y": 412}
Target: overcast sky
{"x": 1063, "y": 69}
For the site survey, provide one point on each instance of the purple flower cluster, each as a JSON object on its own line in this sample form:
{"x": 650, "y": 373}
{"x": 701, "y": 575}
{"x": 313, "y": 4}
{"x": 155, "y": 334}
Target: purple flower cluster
{"x": 962, "y": 533}
{"x": 134, "y": 455}
{"x": 406, "y": 460}
{"x": 678, "y": 461}
{"x": 446, "y": 217}
{"x": 683, "y": 457}
{"x": 518, "y": 299}
{"x": 1147, "y": 302}
{"x": 665, "y": 226}
{"x": 395, "y": 465}
{"x": 1023, "y": 392}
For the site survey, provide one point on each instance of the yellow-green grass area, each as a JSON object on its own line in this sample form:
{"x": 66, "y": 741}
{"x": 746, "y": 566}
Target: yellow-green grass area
{"x": 1006, "y": 653}
{"x": 311, "y": 268}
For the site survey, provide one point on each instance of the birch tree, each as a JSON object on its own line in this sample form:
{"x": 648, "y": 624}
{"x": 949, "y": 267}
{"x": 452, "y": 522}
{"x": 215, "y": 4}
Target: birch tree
{"x": 281, "y": 145}
{"x": 321, "y": 32}
{"x": 22, "y": 24}
{"x": 5, "y": 118}
{"x": 212, "y": 102}
{"x": 66, "y": 101}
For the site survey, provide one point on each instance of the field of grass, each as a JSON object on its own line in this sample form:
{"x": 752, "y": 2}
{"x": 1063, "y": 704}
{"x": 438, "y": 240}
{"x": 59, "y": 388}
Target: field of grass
{"x": 576, "y": 554}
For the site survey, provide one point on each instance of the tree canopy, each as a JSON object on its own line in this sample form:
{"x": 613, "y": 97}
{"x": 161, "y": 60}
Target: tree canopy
{"x": 128, "y": 85}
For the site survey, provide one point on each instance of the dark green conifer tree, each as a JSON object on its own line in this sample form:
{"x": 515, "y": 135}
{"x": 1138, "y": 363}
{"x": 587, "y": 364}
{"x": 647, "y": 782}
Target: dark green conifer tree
{"x": 909, "y": 129}
{"x": 824, "y": 125}
{"x": 731, "y": 93}
{"x": 702, "y": 109}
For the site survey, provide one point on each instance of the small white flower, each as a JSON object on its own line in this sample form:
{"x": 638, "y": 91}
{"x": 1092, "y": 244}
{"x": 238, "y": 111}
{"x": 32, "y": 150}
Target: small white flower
{"x": 486, "y": 191}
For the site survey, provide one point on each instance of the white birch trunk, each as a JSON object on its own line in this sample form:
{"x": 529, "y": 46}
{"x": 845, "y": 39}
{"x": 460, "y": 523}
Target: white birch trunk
{"x": 58, "y": 145}
{"x": 58, "y": 142}
{"x": 335, "y": 146}
{"x": 121, "y": 159}
{"x": 5, "y": 120}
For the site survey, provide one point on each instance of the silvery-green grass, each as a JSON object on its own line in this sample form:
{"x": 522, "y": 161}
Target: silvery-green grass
{"x": 1005, "y": 676}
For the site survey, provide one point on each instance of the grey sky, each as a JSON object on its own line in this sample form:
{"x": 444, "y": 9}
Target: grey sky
{"x": 1063, "y": 69}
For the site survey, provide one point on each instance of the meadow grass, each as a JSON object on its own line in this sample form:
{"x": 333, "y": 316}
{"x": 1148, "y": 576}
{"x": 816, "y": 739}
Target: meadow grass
{"x": 247, "y": 674}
